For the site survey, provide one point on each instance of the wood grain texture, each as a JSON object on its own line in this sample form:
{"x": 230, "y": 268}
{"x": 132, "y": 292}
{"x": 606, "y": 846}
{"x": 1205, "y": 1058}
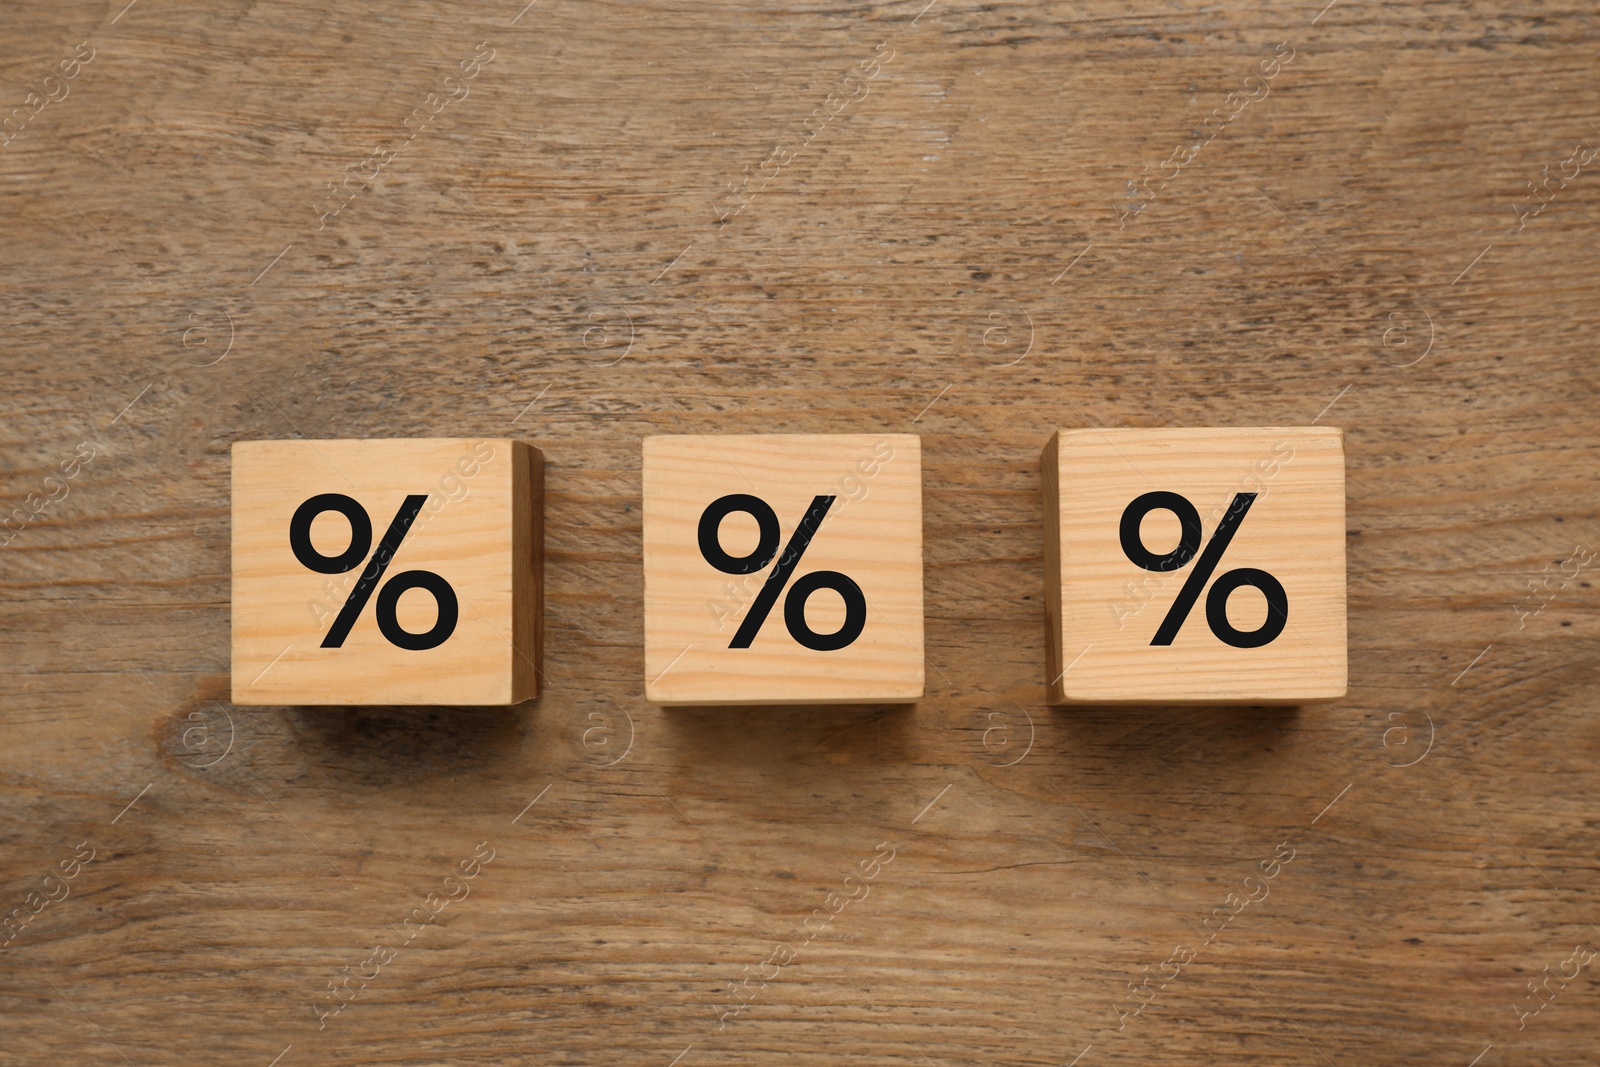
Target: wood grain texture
{"x": 1278, "y": 492}
{"x": 864, "y": 540}
{"x": 936, "y": 238}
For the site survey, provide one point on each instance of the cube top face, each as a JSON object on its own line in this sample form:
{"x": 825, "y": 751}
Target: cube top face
{"x": 842, "y": 620}
{"x": 453, "y": 616}
{"x": 1133, "y": 519}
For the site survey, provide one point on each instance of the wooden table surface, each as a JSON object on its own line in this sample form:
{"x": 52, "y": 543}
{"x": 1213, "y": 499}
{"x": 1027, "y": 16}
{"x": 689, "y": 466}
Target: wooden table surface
{"x": 579, "y": 224}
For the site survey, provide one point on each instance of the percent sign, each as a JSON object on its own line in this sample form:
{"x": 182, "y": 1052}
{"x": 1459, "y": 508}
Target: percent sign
{"x": 1188, "y": 544}
{"x": 794, "y": 605}
{"x": 352, "y": 557}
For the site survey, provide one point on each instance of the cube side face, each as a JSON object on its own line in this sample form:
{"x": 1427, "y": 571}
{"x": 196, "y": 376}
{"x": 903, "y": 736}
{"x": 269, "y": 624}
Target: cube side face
{"x": 464, "y": 533}
{"x": 871, "y": 534}
{"x": 1293, "y": 531}
{"x": 1050, "y": 476}
{"x": 527, "y": 571}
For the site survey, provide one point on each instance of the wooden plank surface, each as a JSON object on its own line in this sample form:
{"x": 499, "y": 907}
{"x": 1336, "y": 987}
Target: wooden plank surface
{"x": 580, "y": 224}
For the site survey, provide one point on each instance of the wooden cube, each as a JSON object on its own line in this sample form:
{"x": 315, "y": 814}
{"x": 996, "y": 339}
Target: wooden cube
{"x": 783, "y": 569}
{"x": 386, "y": 572}
{"x": 1195, "y": 566}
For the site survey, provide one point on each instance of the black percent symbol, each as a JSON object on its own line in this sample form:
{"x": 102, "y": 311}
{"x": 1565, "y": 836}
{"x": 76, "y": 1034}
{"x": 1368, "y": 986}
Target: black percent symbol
{"x": 1222, "y": 588}
{"x": 766, "y": 550}
{"x": 351, "y": 558}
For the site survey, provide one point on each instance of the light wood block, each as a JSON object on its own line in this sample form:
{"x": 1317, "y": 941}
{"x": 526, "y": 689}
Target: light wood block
{"x": 871, "y": 533}
{"x": 477, "y": 528}
{"x": 1105, "y": 609}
